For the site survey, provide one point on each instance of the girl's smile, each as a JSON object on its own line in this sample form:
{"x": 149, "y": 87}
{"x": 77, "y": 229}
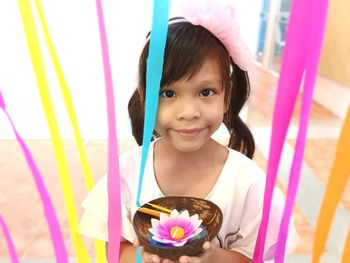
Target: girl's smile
{"x": 191, "y": 109}
{"x": 189, "y": 133}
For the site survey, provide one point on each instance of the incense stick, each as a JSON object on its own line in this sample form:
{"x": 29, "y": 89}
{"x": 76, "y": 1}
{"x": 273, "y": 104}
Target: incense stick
{"x": 149, "y": 211}
{"x": 166, "y": 210}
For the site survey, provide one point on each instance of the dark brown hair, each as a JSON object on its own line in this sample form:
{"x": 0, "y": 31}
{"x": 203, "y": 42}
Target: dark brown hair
{"x": 186, "y": 49}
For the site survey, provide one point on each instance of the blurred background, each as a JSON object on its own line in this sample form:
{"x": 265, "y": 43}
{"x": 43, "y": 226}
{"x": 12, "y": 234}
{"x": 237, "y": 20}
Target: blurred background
{"x": 74, "y": 29}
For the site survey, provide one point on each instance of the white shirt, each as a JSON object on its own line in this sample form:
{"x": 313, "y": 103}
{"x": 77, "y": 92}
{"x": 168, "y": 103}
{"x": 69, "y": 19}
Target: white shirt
{"x": 239, "y": 193}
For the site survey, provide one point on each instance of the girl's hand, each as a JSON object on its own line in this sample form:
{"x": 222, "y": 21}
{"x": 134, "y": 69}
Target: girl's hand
{"x": 207, "y": 256}
{"x": 151, "y": 258}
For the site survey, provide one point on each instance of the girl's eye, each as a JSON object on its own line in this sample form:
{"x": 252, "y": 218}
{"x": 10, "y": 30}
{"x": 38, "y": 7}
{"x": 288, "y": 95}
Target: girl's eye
{"x": 207, "y": 93}
{"x": 167, "y": 94}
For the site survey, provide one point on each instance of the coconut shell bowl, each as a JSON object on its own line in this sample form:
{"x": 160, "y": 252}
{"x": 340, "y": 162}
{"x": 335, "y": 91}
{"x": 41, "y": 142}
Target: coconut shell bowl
{"x": 209, "y": 221}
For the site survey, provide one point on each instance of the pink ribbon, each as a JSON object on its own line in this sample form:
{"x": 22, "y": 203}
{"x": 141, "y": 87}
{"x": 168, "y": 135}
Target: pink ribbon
{"x": 50, "y": 214}
{"x": 301, "y": 54}
{"x": 113, "y": 179}
{"x": 9, "y": 242}
{"x": 316, "y": 33}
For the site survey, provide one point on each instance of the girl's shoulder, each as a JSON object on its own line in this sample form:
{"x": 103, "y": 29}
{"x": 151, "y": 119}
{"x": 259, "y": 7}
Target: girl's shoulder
{"x": 239, "y": 177}
{"x": 129, "y": 163}
{"x": 130, "y": 157}
{"x": 244, "y": 167}
{"x": 133, "y": 155}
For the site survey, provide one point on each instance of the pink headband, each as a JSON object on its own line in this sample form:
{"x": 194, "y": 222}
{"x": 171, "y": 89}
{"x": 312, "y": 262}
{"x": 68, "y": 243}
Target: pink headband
{"x": 219, "y": 18}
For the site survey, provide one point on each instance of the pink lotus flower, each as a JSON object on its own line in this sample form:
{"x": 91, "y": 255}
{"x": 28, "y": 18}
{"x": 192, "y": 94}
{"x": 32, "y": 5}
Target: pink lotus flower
{"x": 175, "y": 230}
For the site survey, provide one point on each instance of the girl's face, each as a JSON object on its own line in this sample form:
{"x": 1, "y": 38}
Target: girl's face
{"x": 192, "y": 109}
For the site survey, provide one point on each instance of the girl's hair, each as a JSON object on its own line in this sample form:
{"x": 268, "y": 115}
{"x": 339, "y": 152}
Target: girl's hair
{"x": 186, "y": 49}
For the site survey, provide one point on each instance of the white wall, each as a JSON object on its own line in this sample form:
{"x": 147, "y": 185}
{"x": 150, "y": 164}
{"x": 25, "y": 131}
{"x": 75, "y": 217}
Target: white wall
{"x": 248, "y": 15}
{"x": 74, "y": 29}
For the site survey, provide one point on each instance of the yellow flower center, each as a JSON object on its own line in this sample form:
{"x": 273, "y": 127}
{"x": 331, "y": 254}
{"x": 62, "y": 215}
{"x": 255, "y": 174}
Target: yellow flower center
{"x": 177, "y": 232}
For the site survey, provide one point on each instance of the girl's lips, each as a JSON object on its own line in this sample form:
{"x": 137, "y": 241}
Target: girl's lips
{"x": 188, "y": 133}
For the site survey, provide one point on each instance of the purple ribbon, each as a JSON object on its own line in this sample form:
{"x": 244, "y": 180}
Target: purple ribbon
{"x": 50, "y": 214}
{"x": 113, "y": 179}
{"x": 301, "y": 54}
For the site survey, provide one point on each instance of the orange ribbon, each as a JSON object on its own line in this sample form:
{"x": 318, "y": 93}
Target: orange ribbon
{"x": 346, "y": 253}
{"x": 339, "y": 175}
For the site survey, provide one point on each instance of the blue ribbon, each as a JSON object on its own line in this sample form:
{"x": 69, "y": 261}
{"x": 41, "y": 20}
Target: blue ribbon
{"x": 153, "y": 77}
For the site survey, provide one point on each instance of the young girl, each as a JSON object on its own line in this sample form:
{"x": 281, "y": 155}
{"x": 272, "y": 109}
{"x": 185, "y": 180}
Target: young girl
{"x": 204, "y": 84}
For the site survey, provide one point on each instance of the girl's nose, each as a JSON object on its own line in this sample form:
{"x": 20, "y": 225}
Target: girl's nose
{"x": 188, "y": 110}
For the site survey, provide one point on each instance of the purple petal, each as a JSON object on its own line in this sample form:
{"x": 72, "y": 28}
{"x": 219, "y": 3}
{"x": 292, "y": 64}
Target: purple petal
{"x": 164, "y": 241}
{"x": 181, "y": 222}
{"x": 188, "y": 229}
{"x": 158, "y": 232}
{"x": 167, "y": 225}
{"x": 191, "y": 230}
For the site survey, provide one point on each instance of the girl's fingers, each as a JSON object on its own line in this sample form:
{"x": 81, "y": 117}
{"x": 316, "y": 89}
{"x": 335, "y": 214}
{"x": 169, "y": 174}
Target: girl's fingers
{"x": 148, "y": 258}
{"x": 203, "y": 257}
{"x": 207, "y": 246}
{"x": 136, "y": 242}
{"x": 187, "y": 259}
{"x": 168, "y": 261}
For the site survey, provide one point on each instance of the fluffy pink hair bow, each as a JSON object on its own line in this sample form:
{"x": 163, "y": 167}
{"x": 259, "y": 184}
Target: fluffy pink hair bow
{"x": 219, "y": 17}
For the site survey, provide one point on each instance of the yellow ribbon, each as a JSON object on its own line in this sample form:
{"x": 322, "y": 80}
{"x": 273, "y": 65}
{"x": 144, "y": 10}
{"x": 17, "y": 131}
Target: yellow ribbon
{"x": 99, "y": 245}
{"x": 339, "y": 175}
{"x": 39, "y": 68}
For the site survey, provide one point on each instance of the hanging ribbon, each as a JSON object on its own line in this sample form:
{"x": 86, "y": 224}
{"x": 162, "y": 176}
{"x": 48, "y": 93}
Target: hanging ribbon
{"x": 346, "y": 252}
{"x": 292, "y": 69}
{"x": 317, "y": 21}
{"x": 50, "y": 214}
{"x": 66, "y": 96}
{"x": 10, "y": 245}
{"x": 339, "y": 175}
{"x": 63, "y": 170}
{"x": 89, "y": 181}
{"x": 113, "y": 179}
{"x": 153, "y": 77}
{"x": 301, "y": 54}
